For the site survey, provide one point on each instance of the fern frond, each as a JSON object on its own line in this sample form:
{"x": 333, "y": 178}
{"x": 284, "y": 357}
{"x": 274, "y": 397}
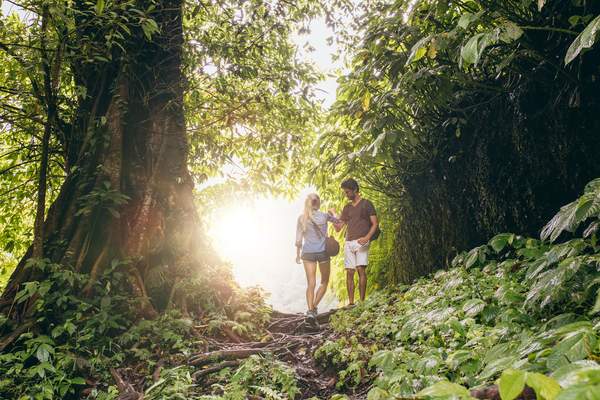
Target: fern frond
{"x": 562, "y": 221}
{"x": 573, "y": 214}
{"x": 268, "y": 392}
{"x": 593, "y": 186}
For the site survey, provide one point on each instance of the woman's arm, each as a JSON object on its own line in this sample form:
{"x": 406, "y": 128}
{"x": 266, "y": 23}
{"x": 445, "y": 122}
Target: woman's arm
{"x": 299, "y": 236}
{"x": 338, "y": 224}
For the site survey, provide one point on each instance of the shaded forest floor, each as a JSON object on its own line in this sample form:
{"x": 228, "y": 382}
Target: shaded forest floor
{"x": 291, "y": 340}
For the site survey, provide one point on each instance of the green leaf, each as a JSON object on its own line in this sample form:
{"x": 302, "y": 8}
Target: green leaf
{"x": 499, "y": 242}
{"x": 445, "y": 389}
{"x": 584, "y": 372}
{"x": 99, "y": 7}
{"x": 43, "y": 352}
{"x": 384, "y": 359}
{"x": 580, "y": 392}
{"x": 510, "y": 32}
{"x": 585, "y": 40}
{"x": 545, "y": 387}
{"x": 471, "y": 52}
{"x": 78, "y": 381}
{"x": 473, "y": 307}
{"x": 466, "y": 19}
{"x": 511, "y": 384}
{"x": 366, "y": 101}
{"x": 378, "y": 394}
{"x": 418, "y": 51}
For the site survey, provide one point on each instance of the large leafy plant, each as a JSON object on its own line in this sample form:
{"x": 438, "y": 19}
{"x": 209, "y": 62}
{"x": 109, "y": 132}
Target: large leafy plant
{"x": 518, "y": 310}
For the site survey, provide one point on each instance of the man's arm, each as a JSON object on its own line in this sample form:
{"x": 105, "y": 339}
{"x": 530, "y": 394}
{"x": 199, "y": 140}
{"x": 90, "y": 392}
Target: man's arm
{"x": 374, "y": 224}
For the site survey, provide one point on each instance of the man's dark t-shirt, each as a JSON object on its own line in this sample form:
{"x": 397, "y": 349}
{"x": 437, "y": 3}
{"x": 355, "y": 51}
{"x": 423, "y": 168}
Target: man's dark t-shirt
{"x": 358, "y": 218}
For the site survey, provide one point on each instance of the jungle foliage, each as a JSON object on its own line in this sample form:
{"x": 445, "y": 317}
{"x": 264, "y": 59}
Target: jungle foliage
{"x": 466, "y": 118}
{"x": 95, "y": 101}
{"x": 516, "y": 310}
{"x": 470, "y": 117}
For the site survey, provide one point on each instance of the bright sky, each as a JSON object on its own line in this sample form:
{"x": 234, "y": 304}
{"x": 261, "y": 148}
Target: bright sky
{"x": 321, "y": 56}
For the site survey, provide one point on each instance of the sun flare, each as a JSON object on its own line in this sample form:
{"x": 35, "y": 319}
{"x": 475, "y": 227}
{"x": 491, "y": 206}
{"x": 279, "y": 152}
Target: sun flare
{"x": 258, "y": 238}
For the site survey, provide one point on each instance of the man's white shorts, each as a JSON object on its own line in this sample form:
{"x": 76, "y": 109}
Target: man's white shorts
{"x": 355, "y": 254}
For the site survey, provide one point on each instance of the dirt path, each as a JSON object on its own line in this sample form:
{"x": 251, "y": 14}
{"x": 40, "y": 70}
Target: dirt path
{"x": 293, "y": 342}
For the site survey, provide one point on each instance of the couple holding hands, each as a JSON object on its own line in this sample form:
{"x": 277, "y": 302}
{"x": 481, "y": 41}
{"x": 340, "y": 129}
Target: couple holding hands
{"x": 314, "y": 247}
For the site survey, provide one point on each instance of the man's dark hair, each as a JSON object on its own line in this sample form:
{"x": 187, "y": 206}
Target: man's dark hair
{"x": 350, "y": 184}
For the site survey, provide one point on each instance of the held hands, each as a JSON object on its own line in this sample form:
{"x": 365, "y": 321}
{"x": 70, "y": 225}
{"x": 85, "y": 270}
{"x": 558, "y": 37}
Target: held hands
{"x": 363, "y": 240}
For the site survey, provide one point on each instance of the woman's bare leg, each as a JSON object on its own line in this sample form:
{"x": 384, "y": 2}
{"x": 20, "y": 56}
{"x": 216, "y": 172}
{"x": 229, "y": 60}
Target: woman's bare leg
{"x": 311, "y": 276}
{"x": 325, "y": 269}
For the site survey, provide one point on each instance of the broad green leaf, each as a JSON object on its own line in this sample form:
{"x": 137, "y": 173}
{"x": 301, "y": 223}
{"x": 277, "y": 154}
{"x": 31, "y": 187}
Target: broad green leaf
{"x": 43, "y": 352}
{"x": 445, "y": 389}
{"x": 510, "y": 32}
{"x": 472, "y": 257}
{"x": 471, "y": 52}
{"x": 585, "y": 40}
{"x": 418, "y": 50}
{"x": 545, "y": 387}
{"x": 473, "y": 307}
{"x": 378, "y": 394}
{"x": 78, "y": 381}
{"x": 580, "y": 393}
{"x": 581, "y": 372}
{"x": 466, "y": 19}
{"x": 384, "y": 359}
{"x": 511, "y": 383}
{"x": 499, "y": 242}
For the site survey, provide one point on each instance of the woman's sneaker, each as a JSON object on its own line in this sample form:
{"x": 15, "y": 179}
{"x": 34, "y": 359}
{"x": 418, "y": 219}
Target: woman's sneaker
{"x": 311, "y": 317}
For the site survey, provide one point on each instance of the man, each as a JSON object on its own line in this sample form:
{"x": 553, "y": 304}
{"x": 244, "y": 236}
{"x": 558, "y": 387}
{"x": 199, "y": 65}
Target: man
{"x": 360, "y": 217}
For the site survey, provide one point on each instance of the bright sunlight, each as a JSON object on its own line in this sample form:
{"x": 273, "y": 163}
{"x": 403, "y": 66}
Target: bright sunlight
{"x": 258, "y": 237}
{"x": 258, "y": 240}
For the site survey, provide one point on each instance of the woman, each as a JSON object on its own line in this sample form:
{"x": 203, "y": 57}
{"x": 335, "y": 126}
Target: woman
{"x": 311, "y": 232}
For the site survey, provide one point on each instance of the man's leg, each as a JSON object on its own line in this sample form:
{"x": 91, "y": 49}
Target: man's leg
{"x": 324, "y": 268}
{"x": 362, "y": 281}
{"x": 350, "y": 284}
{"x": 311, "y": 271}
{"x": 362, "y": 259}
{"x": 350, "y": 265}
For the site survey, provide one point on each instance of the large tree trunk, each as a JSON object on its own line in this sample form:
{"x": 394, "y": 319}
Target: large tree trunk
{"x": 128, "y": 194}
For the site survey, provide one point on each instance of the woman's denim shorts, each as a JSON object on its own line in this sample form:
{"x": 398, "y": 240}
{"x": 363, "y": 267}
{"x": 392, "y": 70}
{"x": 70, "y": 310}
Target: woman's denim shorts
{"x": 315, "y": 257}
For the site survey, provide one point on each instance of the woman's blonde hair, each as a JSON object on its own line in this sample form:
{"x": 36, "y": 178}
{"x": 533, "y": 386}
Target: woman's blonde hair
{"x": 309, "y": 208}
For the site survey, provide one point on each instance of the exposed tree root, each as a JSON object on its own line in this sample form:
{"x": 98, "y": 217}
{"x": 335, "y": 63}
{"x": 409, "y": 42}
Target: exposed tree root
{"x": 126, "y": 389}
{"x": 292, "y": 341}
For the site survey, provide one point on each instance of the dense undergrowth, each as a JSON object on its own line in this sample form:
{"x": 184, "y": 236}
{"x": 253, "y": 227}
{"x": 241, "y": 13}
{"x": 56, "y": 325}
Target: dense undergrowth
{"x": 77, "y": 340}
{"x": 517, "y": 308}
{"x": 516, "y": 311}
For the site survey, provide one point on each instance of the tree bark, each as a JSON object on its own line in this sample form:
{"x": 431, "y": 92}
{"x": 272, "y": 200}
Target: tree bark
{"x": 128, "y": 142}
